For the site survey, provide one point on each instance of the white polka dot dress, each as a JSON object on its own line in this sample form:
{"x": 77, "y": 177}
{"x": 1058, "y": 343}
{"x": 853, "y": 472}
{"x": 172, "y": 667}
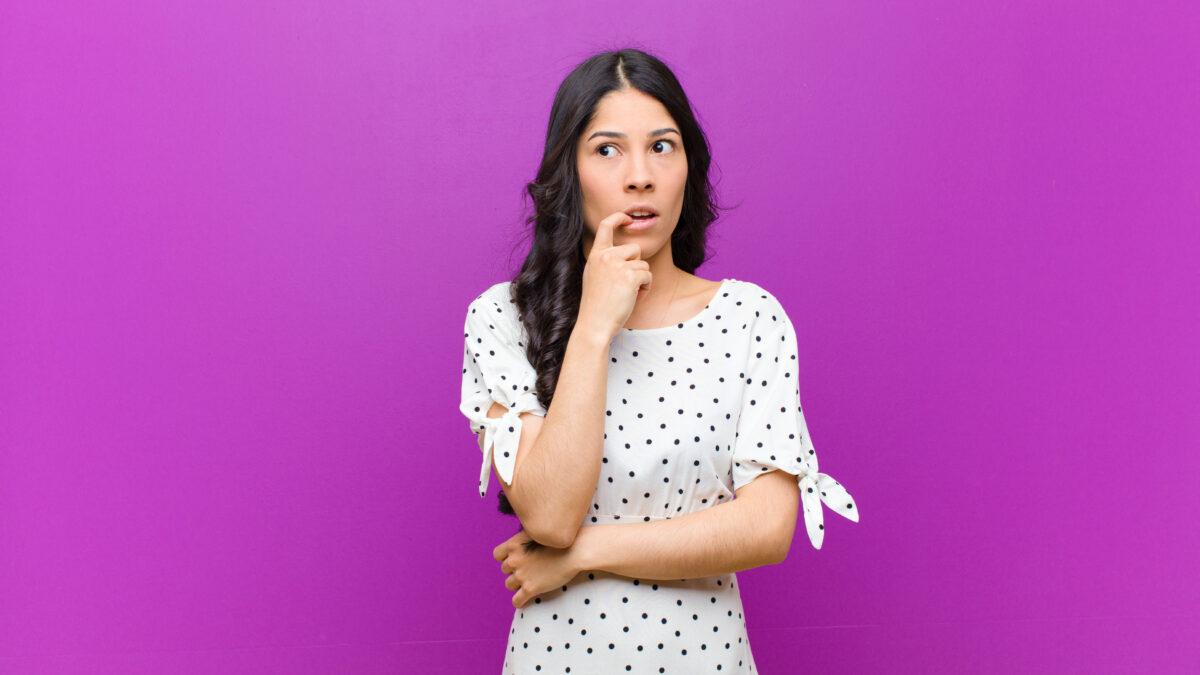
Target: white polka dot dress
{"x": 694, "y": 411}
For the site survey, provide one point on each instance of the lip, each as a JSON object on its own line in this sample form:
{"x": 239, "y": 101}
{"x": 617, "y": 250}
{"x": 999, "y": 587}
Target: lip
{"x": 642, "y": 207}
{"x": 642, "y": 224}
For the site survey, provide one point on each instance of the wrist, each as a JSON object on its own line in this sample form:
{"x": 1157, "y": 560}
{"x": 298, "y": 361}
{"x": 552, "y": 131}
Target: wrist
{"x": 584, "y": 550}
{"x": 590, "y": 337}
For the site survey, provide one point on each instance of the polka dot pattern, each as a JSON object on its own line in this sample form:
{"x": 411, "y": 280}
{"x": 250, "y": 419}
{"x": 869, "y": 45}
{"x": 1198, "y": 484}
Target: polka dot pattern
{"x": 772, "y": 433}
{"x": 495, "y": 369}
{"x": 694, "y": 411}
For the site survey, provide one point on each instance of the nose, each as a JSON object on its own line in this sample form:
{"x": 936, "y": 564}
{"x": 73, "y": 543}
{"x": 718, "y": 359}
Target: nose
{"x": 639, "y": 177}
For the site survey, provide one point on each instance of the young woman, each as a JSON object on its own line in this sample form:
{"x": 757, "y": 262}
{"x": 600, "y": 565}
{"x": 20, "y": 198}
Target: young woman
{"x": 672, "y": 394}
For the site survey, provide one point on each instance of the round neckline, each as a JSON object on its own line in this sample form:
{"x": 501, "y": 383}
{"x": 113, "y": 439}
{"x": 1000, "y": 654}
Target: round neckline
{"x": 721, "y": 288}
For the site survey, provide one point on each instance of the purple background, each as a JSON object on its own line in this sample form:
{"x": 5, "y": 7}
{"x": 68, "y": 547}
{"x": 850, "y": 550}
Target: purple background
{"x": 237, "y": 243}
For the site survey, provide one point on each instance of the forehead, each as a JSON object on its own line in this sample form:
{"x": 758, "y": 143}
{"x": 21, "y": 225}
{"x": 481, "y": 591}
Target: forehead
{"x": 629, "y": 110}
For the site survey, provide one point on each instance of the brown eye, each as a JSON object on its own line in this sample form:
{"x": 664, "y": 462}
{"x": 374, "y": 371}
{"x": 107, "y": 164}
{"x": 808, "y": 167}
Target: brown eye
{"x": 606, "y": 145}
{"x": 671, "y": 144}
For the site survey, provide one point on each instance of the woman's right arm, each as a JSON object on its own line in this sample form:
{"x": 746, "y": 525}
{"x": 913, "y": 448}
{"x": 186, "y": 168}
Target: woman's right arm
{"x": 558, "y": 456}
{"x": 556, "y": 469}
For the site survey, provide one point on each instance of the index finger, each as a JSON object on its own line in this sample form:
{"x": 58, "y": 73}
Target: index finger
{"x": 604, "y": 231}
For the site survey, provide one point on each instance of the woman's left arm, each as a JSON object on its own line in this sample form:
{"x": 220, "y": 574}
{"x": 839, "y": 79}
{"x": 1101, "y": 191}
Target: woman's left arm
{"x": 753, "y": 530}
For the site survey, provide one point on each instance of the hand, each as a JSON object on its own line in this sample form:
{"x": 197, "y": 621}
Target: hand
{"x": 614, "y": 278}
{"x": 531, "y": 573}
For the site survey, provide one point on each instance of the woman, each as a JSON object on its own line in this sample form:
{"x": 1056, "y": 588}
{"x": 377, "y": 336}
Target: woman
{"x": 671, "y": 394}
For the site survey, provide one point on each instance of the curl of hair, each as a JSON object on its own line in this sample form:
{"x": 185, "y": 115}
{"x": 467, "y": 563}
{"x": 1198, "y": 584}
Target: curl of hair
{"x": 549, "y": 287}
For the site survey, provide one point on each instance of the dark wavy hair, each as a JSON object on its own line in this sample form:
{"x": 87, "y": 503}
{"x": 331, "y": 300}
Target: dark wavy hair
{"x": 548, "y": 288}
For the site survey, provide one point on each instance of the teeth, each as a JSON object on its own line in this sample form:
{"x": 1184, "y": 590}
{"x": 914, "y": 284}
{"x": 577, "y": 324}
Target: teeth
{"x": 641, "y": 213}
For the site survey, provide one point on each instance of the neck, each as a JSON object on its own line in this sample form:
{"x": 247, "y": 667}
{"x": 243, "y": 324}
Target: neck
{"x": 656, "y": 305}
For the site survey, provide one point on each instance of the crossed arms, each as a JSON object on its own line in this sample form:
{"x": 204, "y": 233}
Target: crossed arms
{"x": 555, "y": 478}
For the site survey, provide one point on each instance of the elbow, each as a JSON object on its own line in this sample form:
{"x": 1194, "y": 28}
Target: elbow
{"x": 773, "y": 552}
{"x": 552, "y": 528}
{"x": 778, "y": 542}
{"x": 546, "y": 528}
{"x": 552, "y": 535}
{"x": 552, "y": 532}
{"x": 779, "y": 550}
{"x": 780, "y": 536}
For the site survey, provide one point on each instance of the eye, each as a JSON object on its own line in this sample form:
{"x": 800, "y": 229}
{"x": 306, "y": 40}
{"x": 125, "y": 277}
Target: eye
{"x": 663, "y": 142}
{"x": 671, "y": 144}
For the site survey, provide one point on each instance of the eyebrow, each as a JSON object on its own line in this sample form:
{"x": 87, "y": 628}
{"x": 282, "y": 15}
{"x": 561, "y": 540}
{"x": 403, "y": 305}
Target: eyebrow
{"x": 617, "y": 134}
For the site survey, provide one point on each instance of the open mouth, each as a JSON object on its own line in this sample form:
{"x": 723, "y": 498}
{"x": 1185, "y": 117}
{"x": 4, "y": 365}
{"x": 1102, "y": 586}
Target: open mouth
{"x": 641, "y": 213}
{"x": 642, "y": 223}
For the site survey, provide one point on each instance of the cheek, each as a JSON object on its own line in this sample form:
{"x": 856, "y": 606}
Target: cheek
{"x": 679, "y": 182}
{"x": 587, "y": 188}
{"x": 594, "y": 194}
{"x": 587, "y": 173}
{"x": 679, "y": 170}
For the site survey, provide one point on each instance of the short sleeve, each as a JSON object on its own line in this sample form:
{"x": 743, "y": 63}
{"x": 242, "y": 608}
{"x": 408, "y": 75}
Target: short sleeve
{"x": 771, "y": 431}
{"x": 495, "y": 369}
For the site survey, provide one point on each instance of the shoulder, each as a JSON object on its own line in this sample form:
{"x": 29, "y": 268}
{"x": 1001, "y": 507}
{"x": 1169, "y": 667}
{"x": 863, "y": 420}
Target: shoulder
{"x": 495, "y": 301}
{"x": 758, "y": 300}
{"x": 494, "y": 311}
{"x": 496, "y": 294}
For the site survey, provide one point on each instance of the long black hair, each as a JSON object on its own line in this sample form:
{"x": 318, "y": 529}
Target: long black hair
{"x": 548, "y": 288}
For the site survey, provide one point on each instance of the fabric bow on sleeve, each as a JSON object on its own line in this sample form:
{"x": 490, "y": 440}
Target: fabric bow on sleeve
{"x": 496, "y": 371}
{"x": 818, "y": 487}
{"x": 500, "y": 438}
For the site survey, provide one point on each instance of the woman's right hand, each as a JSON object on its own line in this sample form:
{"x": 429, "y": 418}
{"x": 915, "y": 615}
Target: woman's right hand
{"x": 614, "y": 278}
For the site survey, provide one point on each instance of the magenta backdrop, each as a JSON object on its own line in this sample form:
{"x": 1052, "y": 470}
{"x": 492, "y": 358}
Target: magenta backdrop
{"x": 237, "y": 242}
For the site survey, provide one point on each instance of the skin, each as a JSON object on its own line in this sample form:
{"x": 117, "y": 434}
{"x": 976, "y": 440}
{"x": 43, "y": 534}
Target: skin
{"x": 756, "y": 528}
{"x": 644, "y": 167}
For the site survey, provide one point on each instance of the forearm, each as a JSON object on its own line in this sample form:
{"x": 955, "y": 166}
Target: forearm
{"x": 721, "y": 539}
{"x": 554, "y": 482}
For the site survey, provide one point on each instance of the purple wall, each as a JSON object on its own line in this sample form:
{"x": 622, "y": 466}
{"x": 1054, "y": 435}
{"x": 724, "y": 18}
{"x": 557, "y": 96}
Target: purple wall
{"x": 232, "y": 288}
